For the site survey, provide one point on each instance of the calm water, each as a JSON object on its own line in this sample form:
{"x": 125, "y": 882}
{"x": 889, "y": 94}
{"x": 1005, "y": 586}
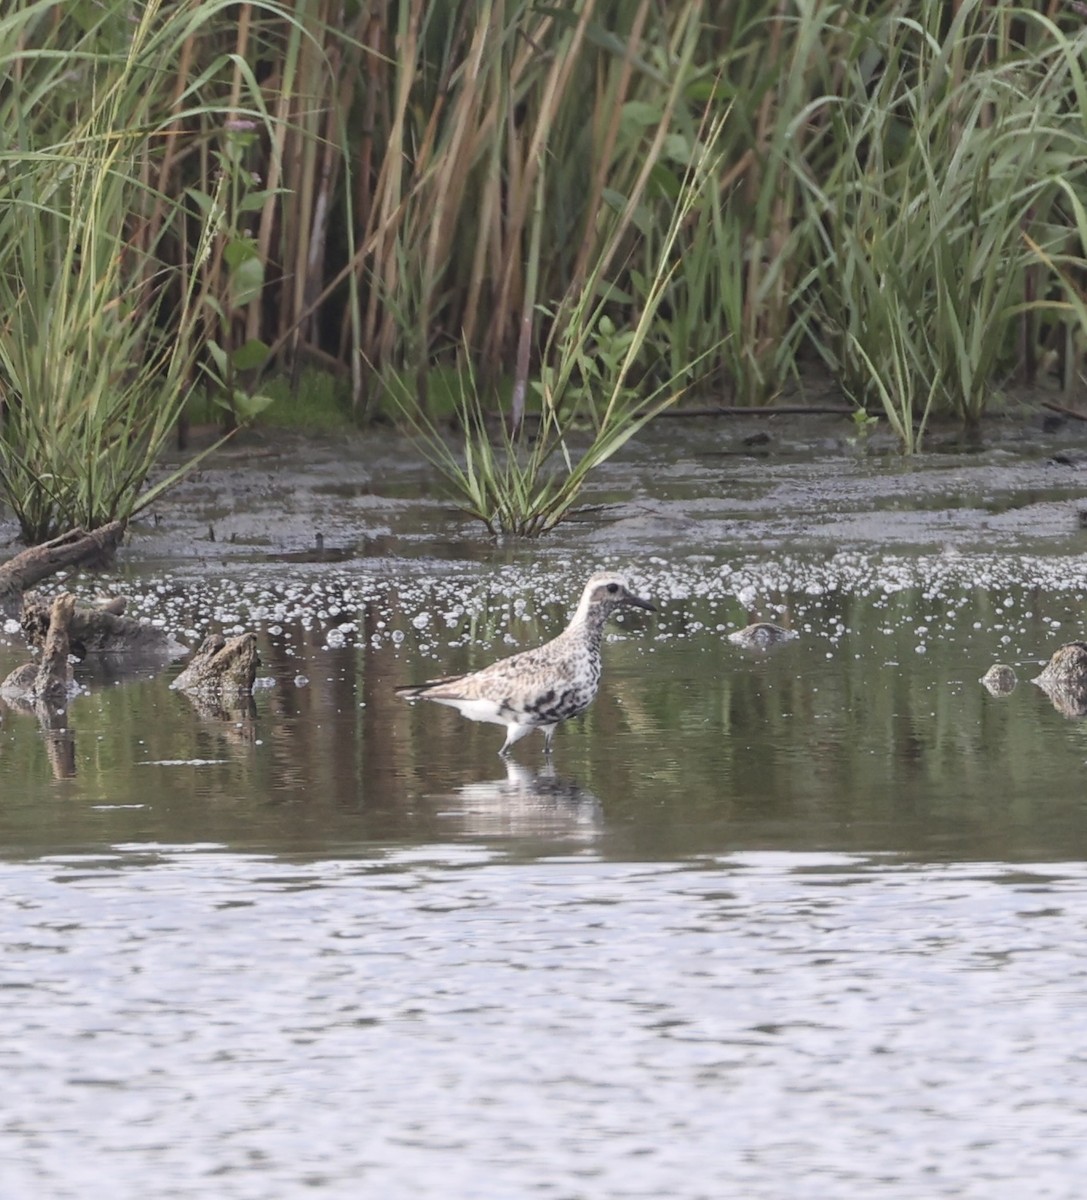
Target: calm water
{"x": 800, "y": 924}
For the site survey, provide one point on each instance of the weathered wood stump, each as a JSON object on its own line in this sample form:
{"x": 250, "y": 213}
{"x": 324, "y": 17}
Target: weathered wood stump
{"x": 1064, "y": 679}
{"x": 55, "y": 673}
{"x": 49, "y": 681}
{"x": 44, "y": 688}
{"x": 97, "y": 629}
{"x": 77, "y": 548}
{"x": 220, "y": 666}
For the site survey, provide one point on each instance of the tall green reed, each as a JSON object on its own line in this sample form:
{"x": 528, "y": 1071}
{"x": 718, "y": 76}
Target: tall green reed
{"x": 914, "y": 293}
{"x": 1057, "y": 241}
{"x": 100, "y": 331}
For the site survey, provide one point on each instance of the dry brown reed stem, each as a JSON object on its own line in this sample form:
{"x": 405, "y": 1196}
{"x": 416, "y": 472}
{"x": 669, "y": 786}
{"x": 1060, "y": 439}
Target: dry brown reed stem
{"x": 172, "y": 136}
{"x": 523, "y": 164}
{"x": 272, "y": 206}
{"x": 241, "y": 48}
{"x": 447, "y": 179}
{"x": 562, "y": 64}
{"x": 347, "y": 57}
{"x": 389, "y": 190}
{"x": 304, "y": 231}
{"x": 685, "y": 29}
{"x": 606, "y": 140}
{"x": 488, "y": 240}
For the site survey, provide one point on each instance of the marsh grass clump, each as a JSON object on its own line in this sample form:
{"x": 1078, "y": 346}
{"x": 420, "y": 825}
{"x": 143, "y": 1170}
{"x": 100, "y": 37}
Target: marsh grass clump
{"x": 223, "y": 194}
{"x": 590, "y": 396}
{"x": 950, "y": 155}
{"x": 100, "y": 332}
{"x": 92, "y": 380}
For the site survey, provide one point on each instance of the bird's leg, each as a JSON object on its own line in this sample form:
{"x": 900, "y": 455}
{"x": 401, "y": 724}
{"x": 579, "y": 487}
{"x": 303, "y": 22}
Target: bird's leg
{"x": 514, "y": 733}
{"x": 549, "y": 733}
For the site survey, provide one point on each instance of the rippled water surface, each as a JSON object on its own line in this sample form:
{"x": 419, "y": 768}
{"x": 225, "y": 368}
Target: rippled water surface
{"x": 441, "y": 1023}
{"x": 806, "y": 923}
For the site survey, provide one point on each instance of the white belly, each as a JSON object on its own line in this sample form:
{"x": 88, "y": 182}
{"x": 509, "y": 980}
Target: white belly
{"x": 486, "y": 710}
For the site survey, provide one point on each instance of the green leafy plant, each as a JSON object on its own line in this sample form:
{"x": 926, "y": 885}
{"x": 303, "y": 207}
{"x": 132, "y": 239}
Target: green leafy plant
{"x": 232, "y": 279}
{"x": 863, "y": 424}
{"x": 1061, "y": 247}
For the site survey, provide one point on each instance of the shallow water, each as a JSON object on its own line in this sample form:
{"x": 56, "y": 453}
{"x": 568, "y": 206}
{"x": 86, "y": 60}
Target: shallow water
{"x": 789, "y": 924}
{"x": 869, "y": 732}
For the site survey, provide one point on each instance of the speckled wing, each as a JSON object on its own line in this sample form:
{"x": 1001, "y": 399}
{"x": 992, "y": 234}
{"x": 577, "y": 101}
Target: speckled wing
{"x": 527, "y": 671}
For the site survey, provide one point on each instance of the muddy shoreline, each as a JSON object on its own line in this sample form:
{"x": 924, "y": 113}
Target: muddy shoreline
{"x": 277, "y": 496}
{"x": 288, "y": 504}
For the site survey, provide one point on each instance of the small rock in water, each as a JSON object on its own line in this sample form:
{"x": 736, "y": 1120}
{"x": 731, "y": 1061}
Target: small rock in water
{"x": 1000, "y": 679}
{"x": 761, "y": 635}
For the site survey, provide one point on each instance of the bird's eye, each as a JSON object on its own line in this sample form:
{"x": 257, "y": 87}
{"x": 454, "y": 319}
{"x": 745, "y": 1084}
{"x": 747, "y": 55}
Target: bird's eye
{"x": 613, "y": 588}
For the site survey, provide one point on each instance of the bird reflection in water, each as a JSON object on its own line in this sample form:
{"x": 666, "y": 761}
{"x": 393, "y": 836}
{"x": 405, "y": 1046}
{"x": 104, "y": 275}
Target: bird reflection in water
{"x": 528, "y": 803}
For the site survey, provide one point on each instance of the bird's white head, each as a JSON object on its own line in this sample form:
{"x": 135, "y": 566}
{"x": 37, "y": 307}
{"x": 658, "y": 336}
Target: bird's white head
{"x": 603, "y": 594}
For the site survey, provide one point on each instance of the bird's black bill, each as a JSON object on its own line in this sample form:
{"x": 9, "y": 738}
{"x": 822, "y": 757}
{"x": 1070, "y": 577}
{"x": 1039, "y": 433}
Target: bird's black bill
{"x": 638, "y": 602}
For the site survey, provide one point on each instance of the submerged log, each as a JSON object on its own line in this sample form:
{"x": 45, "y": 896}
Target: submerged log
{"x": 1064, "y": 410}
{"x": 769, "y": 410}
{"x": 99, "y": 629}
{"x": 77, "y": 548}
{"x": 221, "y": 666}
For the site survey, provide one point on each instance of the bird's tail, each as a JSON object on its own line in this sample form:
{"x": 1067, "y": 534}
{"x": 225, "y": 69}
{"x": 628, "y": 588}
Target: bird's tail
{"x": 416, "y": 691}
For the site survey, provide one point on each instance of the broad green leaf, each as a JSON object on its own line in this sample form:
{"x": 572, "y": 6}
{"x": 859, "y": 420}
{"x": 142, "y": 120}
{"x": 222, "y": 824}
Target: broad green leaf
{"x": 250, "y": 355}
